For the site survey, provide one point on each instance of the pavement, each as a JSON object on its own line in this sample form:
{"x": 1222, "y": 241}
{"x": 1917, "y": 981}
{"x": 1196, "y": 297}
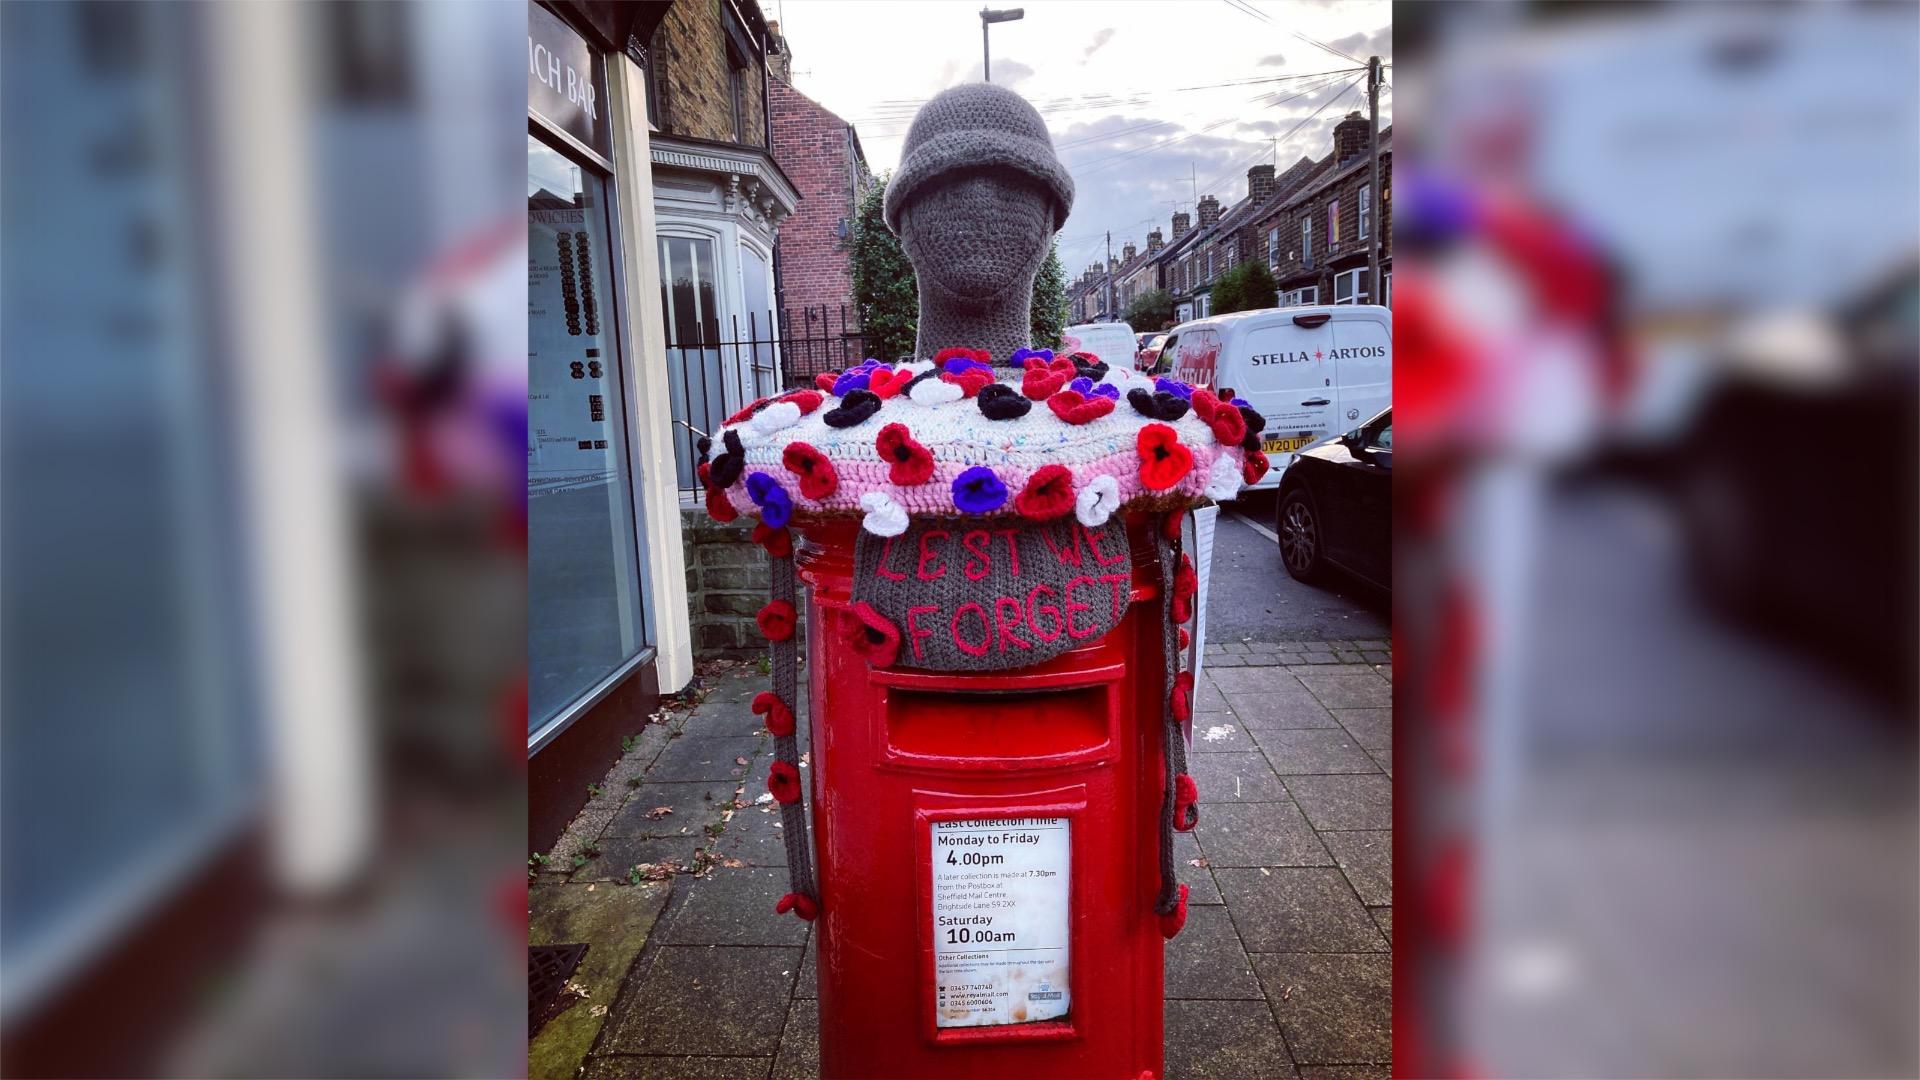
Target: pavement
{"x": 1283, "y": 969}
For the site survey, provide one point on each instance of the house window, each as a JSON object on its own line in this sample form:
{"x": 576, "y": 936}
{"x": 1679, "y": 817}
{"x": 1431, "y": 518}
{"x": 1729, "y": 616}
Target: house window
{"x": 1386, "y": 288}
{"x": 1366, "y": 211}
{"x": 737, "y": 88}
{"x": 1273, "y": 247}
{"x": 1333, "y": 223}
{"x": 1350, "y": 287}
{"x": 1209, "y": 270}
{"x": 1301, "y": 297}
{"x": 1306, "y": 243}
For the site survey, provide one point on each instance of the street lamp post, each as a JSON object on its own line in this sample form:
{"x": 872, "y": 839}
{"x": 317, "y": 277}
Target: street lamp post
{"x": 987, "y": 18}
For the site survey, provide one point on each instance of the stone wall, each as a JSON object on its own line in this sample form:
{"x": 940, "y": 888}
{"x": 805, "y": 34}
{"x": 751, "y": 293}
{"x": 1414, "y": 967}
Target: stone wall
{"x": 726, "y": 586}
{"x": 691, "y": 77}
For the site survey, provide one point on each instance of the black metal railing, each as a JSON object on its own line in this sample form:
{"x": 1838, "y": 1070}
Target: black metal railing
{"x": 715, "y": 368}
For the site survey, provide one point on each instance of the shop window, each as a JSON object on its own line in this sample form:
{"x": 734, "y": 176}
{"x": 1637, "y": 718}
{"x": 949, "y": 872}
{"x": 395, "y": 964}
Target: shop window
{"x": 586, "y": 616}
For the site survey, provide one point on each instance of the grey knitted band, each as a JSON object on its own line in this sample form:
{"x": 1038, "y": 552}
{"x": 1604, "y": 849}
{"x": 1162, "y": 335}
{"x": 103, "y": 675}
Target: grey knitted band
{"x": 1173, "y": 745}
{"x": 977, "y": 126}
{"x": 786, "y": 680}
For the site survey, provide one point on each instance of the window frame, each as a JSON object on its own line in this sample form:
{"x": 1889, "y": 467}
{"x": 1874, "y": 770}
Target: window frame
{"x": 1306, "y": 241}
{"x": 1358, "y": 292}
{"x": 1363, "y": 229}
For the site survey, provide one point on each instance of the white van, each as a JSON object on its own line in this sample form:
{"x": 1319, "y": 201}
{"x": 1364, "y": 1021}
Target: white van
{"x": 1112, "y": 342}
{"x": 1309, "y": 371}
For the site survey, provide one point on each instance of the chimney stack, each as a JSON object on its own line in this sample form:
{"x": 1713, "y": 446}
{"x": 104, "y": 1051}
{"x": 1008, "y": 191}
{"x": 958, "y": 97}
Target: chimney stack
{"x": 1209, "y": 211}
{"x": 1154, "y": 242}
{"x": 1349, "y": 138}
{"x": 779, "y": 57}
{"x": 1128, "y": 252}
{"x": 1260, "y": 184}
{"x": 1181, "y": 223}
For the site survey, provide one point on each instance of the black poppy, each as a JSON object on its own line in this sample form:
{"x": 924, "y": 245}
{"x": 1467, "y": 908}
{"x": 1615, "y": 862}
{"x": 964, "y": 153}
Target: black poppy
{"x": 998, "y": 401}
{"x": 855, "y": 407}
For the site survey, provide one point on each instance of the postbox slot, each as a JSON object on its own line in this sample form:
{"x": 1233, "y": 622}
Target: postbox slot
{"x": 998, "y": 730}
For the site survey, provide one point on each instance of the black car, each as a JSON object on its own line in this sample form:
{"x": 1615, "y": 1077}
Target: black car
{"x": 1336, "y": 505}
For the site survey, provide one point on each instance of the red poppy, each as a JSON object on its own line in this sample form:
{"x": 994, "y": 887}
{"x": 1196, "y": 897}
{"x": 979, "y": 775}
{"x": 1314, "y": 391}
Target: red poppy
{"x": 1163, "y": 461}
{"x": 1048, "y": 494}
{"x": 808, "y": 400}
{"x": 718, "y": 508}
{"x": 1186, "y": 794}
{"x": 960, "y": 353}
{"x": 1185, "y": 584}
{"x": 744, "y": 413}
{"x": 783, "y": 780}
{"x": 1254, "y": 467}
{"x": 1204, "y": 404}
{"x": 1077, "y": 408}
{"x": 1228, "y": 425}
{"x": 1185, "y": 638}
{"x": 779, "y": 718}
{"x": 778, "y": 542}
{"x": 1170, "y": 527}
{"x": 871, "y": 635}
{"x": 969, "y": 381}
{"x": 799, "y": 903}
{"x": 1040, "y": 383}
{"x": 910, "y": 462}
{"x": 817, "y": 477}
{"x": 1182, "y": 696}
{"x": 776, "y": 620}
{"x": 825, "y": 381}
{"x": 886, "y": 384}
{"x": 1174, "y": 921}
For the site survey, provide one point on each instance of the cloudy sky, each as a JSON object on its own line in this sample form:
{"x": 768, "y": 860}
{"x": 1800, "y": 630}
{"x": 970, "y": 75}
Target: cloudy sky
{"x": 1145, "y": 98}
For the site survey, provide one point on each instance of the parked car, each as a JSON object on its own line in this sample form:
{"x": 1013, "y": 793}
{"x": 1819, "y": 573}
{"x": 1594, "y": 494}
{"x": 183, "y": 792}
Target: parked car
{"x": 1112, "y": 342}
{"x": 1149, "y": 353}
{"x": 1336, "y": 506}
{"x": 1309, "y": 371}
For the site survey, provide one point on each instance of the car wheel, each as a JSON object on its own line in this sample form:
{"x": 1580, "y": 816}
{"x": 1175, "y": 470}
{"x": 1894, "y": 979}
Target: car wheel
{"x": 1301, "y": 543}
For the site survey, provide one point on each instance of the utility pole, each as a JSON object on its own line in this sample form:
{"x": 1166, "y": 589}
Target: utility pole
{"x": 987, "y": 18}
{"x": 1194, "y": 179}
{"x": 1110, "y": 312}
{"x": 1374, "y": 293}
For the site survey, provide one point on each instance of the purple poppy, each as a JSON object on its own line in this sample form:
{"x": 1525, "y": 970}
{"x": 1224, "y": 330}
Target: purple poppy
{"x": 1020, "y": 356}
{"x": 850, "y": 380}
{"x": 776, "y": 506}
{"x": 978, "y": 491}
{"x": 1175, "y": 387}
{"x": 1105, "y": 390}
{"x": 1082, "y": 384}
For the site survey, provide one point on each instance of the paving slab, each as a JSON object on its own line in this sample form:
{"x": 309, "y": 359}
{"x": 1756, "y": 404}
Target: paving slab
{"x": 1383, "y": 918}
{"x": 1335, "y": 1008}
{"x": 1197, "y": 879}
{"x": 1384, "y": 759}
{"x": 613, "y": 922}
{"x": 697, "y": 999}
{"x": 619, "y": 855}
{"x": 809, "y": 984}
{"x": 1345, "y": 1072}
{"x": 1294, "y": 708}
{"x": 730, "y": 719}
{"x": 1262, "y": 680}
{"x": 1220, "y": 733}
{"x": 688, "y": 805}
{"x": 1259, "y": 834}
{"x": 799, "y": 1057}
{"x": 1367, "y": 860}
{"x": 1214, "y": 1040}
{"x": 1358, "y": 691}
{"x": 1344, "y": 802}
{"x": 1207, "y": 962}
{"x": 1297, "y": 909}
{"x": 624, "y": 1067}
{"x": 1371, "y": 728}
{"x": 734, "y": 906}
{"x": 1231, "y": 778}
{"x": 1313, "y": 751}
{"x": 689, "y": 759}
{"x": 755, "y": 837}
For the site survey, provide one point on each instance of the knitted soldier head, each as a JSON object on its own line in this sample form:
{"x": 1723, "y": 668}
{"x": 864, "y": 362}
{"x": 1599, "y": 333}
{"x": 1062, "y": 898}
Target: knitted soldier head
{"x": 976, "y": 201}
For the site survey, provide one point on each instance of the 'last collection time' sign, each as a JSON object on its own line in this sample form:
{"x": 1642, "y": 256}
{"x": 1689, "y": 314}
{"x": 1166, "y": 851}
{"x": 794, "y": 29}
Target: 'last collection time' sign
{"x": 1000, "y": 936}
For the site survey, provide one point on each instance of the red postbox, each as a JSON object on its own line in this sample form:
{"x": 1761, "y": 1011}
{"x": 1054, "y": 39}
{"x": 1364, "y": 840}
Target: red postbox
{"x": 1068, "y": 750}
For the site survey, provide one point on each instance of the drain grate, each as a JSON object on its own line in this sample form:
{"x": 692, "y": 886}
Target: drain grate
{"x": 548, "y": 968}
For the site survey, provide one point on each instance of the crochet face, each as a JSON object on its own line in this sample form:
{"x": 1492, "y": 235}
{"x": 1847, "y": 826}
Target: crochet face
{"x": 978, "y": 236}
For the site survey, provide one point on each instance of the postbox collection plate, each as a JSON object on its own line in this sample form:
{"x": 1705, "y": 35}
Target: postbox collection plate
{"x": 1001, "y": 938}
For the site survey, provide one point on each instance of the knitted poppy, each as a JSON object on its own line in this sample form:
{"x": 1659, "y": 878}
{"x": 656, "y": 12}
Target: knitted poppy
{"x": 718, "y": 507}
{"x": 1048, "y": 494}
{"x": 779, "y": 718}
{"x": 850, "y": 380}
{"x": 776, "y": 620}
{"x": 872, "y": 635}
{"x": 855, "y": 408}
{"x": 1081, "y": 384}
{"x": 1255, "y": 467}
{"x": 1186, "y": 797}
{"x": 1186, "y": 583}
{"x": 808, "y": 400}
{"x": 1173, "y": 386}
{"x": 1163, "y": 461}
{"x": 935, "y": 391}
{"x": 727, "y": 466}
{"x": 1182, "y": 697}
{"x": 1040, "y": 383}
{"x": 776, "y": 506}
{"x": 1228, "y": 425}
{"x": 886, "y": 384}
{"x": 1204, "y": 404}
{"x": 978, "y": 491}
{"x": 999, "y": 401}
{"x": 971, "y": 381}
{"x": 746, "y": 412}
{"x": 825, "y": 381}
{"x": 778, "y": 542}
{"x": 908, "y": 462}
{"x": 1186, "y": 639}
{"x": 1171, "y": 525}
{"x": 1156, "y": 405}
{"x": 1021, "y": 356}
{"x": 958, "y": 352}
{"x": 1106, "y": 390}
{"x": 817, "y": 477}
{"x": 800, "y": 904}
{"x": 1076, "y": 408}
{"x": 783, "y": 781}
{"x": 1174, "y": 921}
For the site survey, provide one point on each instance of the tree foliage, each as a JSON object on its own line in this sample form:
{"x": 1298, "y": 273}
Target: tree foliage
{"x": 1249, "y": 286}
{"x": 1150, "y": 311}
{"x": 888, "y": 297}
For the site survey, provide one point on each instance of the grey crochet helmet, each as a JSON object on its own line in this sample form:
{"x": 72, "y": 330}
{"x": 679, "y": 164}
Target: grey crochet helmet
{"x": 977, "y": 126}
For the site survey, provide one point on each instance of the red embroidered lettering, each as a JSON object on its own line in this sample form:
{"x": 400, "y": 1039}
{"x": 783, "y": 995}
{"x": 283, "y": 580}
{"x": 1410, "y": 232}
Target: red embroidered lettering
{"x": 1005, "y": 627}
{"x": 976, "y": 543}
{"x": 1069, "y": 557}
{"x": 920, "y": 570}
{"x": 1093, "y": 545}
{"x": 914, "y": 633}
{"x": 1118, "y": 583}
{"x": 1073, "y": 631}
{"x": 1013, "y": 550}
{"x": 1034, "y": 610}
{"x": 886, "y": 553}
{"x": 986, "y": 631}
